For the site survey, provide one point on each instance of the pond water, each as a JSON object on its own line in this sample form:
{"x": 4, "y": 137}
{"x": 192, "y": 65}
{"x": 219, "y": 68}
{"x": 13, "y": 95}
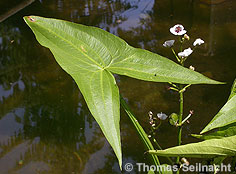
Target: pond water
{"x": 45, "y": 125}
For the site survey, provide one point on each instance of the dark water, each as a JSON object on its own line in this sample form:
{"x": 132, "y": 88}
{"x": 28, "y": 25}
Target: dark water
{"x": 45, "y": 125}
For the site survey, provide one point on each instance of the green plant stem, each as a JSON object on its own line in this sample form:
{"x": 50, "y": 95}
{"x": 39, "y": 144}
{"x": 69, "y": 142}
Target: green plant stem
{"x": 184, "y": 88}
{"x": 159, "y": 147}
{"x": 174, "y": 89}
{"x": 181, "y": 44}
{"x": 180, "y": 116}
{"x": 140, "y": 131}
{"x": 174, "y": 85}
{"x": 157, "y": 144}
{"x": 181, "y": 109}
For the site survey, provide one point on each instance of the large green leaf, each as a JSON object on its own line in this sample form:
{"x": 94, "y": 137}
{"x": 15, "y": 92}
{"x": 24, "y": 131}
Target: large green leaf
{"x": 227, "y": 114}
{"x": 206, "y": 149}
{"x": 97, "y": 85}
{"x": 90, "y": 54}
{"x": 226, "y": 131}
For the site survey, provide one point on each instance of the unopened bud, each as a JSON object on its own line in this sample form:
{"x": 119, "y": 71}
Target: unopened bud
{"x": 186, "y": 37}
{"x": 185, "y": 161}
{"x": 191, "y": 112}
{"x": 192, "y": 68}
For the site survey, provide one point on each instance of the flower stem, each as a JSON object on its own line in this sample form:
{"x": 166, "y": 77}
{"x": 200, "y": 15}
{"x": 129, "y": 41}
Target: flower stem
{"x": 185, "y": 120}
{"x": 184, "y": 88}
{"x": 159, "y": 147}
{"x": 177, "y": 57}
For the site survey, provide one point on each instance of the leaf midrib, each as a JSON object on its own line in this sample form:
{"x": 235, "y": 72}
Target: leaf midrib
{"x": 160, "y": 76}
{"x": 105, "y": 71}
{"x": 103, "y": 98}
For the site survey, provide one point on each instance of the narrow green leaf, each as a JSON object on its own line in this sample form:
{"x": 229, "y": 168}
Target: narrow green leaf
{"x": 226, "y": 131}
{"x": 166, "y": 169}
{"x": 206, "y": 149}
{"x": 140, "y": 131}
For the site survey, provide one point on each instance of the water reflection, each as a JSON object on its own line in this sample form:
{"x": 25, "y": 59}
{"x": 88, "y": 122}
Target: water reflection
{"x": 44, "y": 119}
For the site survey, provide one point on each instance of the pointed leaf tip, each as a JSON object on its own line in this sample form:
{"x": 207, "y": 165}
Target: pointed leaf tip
{"x": 29, "y": 18}
{"x": 226, "y": 116}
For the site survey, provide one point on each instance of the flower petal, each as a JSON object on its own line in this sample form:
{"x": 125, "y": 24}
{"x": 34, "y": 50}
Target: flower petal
{"x": 185, "y": 53}
{"x": 169, "y": 43}
{"x": 162, "y": 116}
{"x": 198, "y": 42}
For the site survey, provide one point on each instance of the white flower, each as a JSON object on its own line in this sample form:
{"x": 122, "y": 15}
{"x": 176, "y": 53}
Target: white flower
{"x": 169, "y": 43}
{"x": 185, "y": 53}
{"x": 162, "y": 116}
{"x": 178, "y": 30}
{"x": 198, "y": 42}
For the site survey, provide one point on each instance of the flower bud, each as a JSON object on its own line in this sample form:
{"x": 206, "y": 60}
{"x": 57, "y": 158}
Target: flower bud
{"x": 185, "y": 161}
{"x": 186, "y": 37}
{"x": 192, "y": 68}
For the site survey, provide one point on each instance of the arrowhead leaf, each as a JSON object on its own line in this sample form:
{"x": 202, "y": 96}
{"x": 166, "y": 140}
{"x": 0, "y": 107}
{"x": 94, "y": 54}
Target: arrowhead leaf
{"x": 90, "y": 55}
{"x": 206, "y": 149}
{"x": 227, "y": 114}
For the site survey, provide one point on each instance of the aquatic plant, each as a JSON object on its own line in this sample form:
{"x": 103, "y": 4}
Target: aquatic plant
{"x": 91, "y": 56}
